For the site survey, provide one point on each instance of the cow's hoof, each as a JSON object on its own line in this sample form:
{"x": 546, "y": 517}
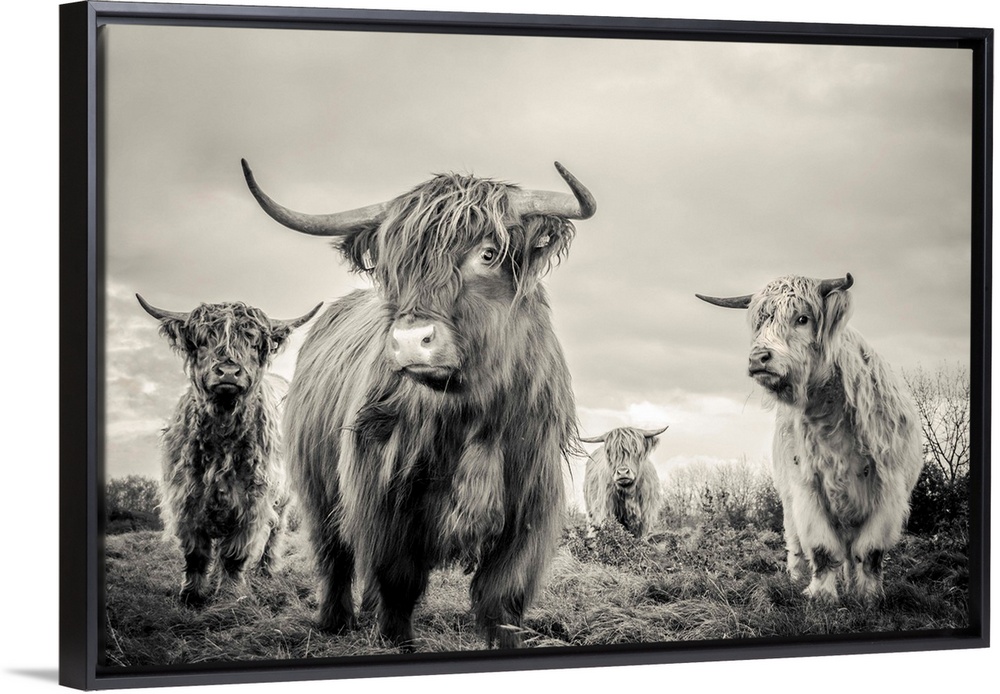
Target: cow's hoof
{"x": 869, "y": 593}
{"x": 192, "y": 598}
{"x": 233, "y": 588}
{"x": 821, "y": 594}
{"x": 338, "y": 624}
{"x": 796, "y": 574}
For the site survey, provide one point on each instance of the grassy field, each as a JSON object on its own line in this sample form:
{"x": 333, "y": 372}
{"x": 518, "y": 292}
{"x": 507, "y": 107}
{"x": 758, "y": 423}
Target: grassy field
{"x": 713, "y": 581}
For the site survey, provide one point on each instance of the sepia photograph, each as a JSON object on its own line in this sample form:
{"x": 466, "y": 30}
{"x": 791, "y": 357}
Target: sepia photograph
{"x": 417, "y": 343}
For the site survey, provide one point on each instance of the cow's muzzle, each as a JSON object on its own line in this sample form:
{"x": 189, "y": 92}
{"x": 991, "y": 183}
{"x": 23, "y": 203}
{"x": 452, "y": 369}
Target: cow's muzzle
{"x": 425, "y": 350}
{"x": 624, "y": 478}
{"x": 227, "y": 380}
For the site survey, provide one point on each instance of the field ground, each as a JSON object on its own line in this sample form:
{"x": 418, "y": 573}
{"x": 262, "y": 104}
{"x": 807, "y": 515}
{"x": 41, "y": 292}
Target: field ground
{"x": 712, "y": 582}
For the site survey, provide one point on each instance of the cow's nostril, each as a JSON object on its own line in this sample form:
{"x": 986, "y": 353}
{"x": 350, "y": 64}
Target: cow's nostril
{"x": 765, "y": 357}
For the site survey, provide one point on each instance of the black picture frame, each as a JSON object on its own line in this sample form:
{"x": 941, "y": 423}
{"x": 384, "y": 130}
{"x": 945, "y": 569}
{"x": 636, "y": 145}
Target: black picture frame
{"x": 80, "y": 337}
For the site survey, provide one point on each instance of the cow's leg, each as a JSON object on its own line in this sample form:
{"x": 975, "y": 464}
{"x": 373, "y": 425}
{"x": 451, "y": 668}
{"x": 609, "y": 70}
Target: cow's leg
{"x": 879, "y": 533}
{"x": 786, "y": 473}
{"x": 868, "y": 574}
{"x": 235, "y": 552}
{"x": 499, "y": 603}
{"x": 796, "y": 563}
{"x": 825, "y": 563}
{"x": 882, "y": 529}
{"x": 197, "y": 549}
{"x": 369, "y": 596}
{"x": 335, "y": 566}
{"x": 272, "y": 547}
{"x": 820, "y": 543}
{"x": 506, "y": 581}
{"x": 401, "y": 581}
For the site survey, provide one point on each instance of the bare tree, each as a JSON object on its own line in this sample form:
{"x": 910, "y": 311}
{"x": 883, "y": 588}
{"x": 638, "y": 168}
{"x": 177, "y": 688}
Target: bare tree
{"x": 942, "y": 400}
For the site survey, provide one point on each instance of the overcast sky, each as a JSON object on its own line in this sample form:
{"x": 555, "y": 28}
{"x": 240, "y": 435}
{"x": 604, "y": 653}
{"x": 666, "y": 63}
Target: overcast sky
{"x": 716, "y": 168}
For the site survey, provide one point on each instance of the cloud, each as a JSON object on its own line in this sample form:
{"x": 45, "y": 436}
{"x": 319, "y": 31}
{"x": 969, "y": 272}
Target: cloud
{"x": 717, "y": 167}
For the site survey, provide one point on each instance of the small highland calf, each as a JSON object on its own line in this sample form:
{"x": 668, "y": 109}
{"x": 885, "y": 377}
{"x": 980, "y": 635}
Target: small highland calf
{"x": 223, "y": 482}
{"x": 846, "y": 442}
{"x": 620, "y": 481}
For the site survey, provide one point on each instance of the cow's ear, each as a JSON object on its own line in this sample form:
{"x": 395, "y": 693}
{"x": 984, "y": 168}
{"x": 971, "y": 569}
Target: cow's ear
{"x": 279, "y": 335}
{"x": 836, "y": 311}
{"x": 175, "y": 330}
{"x": 547, "y": 241}
{"x": 360, "y": 248}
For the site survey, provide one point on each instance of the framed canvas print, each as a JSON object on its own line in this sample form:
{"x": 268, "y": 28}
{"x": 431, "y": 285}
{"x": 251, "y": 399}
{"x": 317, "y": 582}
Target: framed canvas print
{"x": 402, "y": 342}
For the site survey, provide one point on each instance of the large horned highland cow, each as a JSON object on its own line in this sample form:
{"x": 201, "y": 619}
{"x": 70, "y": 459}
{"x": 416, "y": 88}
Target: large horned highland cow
{"x": 429, "y": 417}
{"x": 846, "y": 442}
{"x": 224, "y": 490}
{"x": 620, "y": 482}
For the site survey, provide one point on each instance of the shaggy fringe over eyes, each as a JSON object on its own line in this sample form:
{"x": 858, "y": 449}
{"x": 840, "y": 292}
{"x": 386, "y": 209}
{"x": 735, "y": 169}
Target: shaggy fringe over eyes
{"x": 426, "y": 230}
{"x": 231, "y": 329}
{"x": 627, "y": 444}
{"x": 785, "y": 294}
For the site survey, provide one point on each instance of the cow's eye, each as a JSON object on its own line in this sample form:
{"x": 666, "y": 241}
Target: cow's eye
{"x": 802, "y": 320}
{"x": 488, "y": 255}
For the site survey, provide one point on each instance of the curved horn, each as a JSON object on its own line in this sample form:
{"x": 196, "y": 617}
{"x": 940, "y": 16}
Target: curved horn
{"x": 336, "y": 224}
{"x": 580, "y": 205}
{"x": 593, "y": 439}
{"x": 650, "y": 433}
{"x": 728, "y": 302}
{"x": 159, "y": 313}
{"x": 842, "y": 283}
{"x": 294, "y": 323}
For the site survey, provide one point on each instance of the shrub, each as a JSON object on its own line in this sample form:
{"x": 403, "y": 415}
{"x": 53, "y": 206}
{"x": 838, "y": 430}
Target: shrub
{"x": 132, "y": 503}
{"x": 609, "y": 544}
{"x": 935, "y": 503}
{"x": 737, "y": 493}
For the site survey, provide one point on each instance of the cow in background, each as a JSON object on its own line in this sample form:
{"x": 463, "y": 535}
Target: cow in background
{"x": 224, "y": 490}
{"x": 620, "y": 482}
{"x": 846, "y": 452}
{"x": 430, "y": 416}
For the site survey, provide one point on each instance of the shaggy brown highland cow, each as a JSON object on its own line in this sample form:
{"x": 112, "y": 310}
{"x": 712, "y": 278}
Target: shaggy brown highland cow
{"x": 429, "y": 417}
{"x": 620, "y": 481}
{"x": 847, "y": 441}
{"x": 224, "y": 490}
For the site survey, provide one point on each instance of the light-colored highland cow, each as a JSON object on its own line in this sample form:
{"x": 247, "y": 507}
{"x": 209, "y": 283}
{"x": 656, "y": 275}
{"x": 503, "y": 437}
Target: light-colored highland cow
{"x": 224, "y": 489}
{"x": 847, "y": 440}
{"x": 430, "y": 416}
{"x": 620, "y": 482}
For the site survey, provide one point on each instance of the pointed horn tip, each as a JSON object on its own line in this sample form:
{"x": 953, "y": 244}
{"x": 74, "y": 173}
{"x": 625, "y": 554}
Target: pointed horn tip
{"x": 314, "y": 311}
{"x": 850, "y": 281}
{"x": 586, "y": 199}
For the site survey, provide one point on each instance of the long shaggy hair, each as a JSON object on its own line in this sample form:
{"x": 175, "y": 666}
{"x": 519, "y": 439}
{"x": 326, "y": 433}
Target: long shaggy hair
{"x": 426, "y": 231}
{"x": 847, "y": 443}
{"x": 621, "y": 483}
{"x": 224, "y": 487}
{"x": 398, "y": 477}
